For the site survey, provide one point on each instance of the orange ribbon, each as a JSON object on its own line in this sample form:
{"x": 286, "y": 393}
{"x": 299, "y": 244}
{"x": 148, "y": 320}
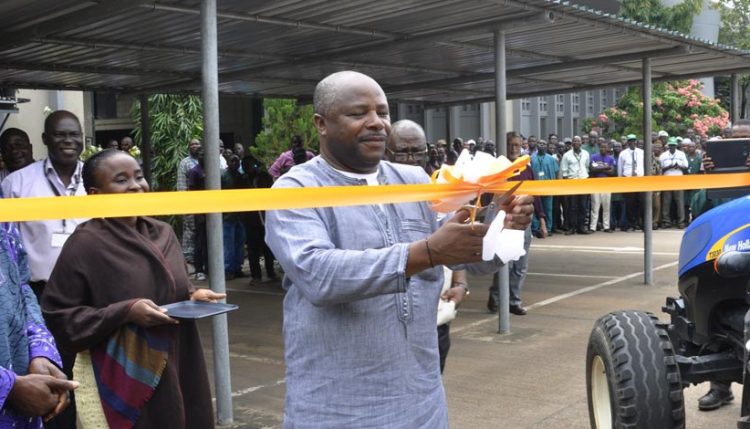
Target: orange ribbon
{"x": 175, "y": 203}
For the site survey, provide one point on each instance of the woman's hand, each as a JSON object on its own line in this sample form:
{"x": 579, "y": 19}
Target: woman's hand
{"x": 207, "y": 295}
{"x": 145, "y": 313}
{"x": 42, "y": 366}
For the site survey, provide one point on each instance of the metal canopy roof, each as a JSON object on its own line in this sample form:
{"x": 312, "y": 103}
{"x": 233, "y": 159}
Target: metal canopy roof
{"x": 421, "y": 51}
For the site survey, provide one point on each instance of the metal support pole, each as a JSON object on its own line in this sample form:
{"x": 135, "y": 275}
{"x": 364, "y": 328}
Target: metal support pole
{"x": 145, "y": 138}
{"x": 501, "y": 279}
{"x": 648, "y": 209}
{"x": 735, "y": 98}
{"x": 210, "y": 77}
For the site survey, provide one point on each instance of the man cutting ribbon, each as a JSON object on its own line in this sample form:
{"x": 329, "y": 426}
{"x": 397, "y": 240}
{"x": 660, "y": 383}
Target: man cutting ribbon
{"x": 363, "y": 282}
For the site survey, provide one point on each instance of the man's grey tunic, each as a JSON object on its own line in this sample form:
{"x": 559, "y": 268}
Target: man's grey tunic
{"x": 360, "y": 337}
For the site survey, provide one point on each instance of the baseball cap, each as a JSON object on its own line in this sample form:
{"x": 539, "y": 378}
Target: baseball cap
{"x": 632, "y": 137}
{"x": 567, "y": 140}
{"x": 672, "y": 141}
{"x": 663, "y": 133}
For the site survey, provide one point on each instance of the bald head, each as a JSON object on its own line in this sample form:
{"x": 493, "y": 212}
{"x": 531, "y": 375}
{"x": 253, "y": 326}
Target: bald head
{"x": 741, "y": 129}
{"x": 51, "y": 121}
{"x": 352, "y": 120}
{"x": 406, "y": 129}
{"x": 329, "y": 90}
{"x": 407, "y": 143}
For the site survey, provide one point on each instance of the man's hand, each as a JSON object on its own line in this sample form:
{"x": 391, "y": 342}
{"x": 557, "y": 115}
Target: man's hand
{"x": 37, "y": 395}
{"x": 543, "y": 228}
{"x": 708, "y": 163}
{"x": 457, "y": 241}
{"x": 518, "y": 211}
{"x": 145, "y": 313}
{"x": 455, "y": 294}
{"x": 207, "y": 295}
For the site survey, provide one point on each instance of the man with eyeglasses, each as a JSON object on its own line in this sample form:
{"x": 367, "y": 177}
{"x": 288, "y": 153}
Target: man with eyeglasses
{"x": 406, "y": 134}
{"x": 59, "y": 175}
{"x": 410, "y": 147}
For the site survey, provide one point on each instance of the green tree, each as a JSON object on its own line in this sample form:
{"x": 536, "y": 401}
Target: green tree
{"x": 735, "y": 19}
{"x": 174, "y": 120}
{"x": 677, "y": 107}
{"x": 676, "y": 18}
{"x": 283, "y": 119}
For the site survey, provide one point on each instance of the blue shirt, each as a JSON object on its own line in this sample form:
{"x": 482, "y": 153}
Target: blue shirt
{"x": 360, "y": 337}
{"x": 545, "y": 167}
{"x": 23, "y": 335}
{"x": 598, "y": 159}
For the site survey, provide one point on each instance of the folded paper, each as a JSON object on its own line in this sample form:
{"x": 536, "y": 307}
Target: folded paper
{"x": 505, "y": 243}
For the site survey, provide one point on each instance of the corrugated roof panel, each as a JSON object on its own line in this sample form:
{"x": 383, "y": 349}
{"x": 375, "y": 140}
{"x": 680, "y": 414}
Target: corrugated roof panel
{"x": 430, "y": 50}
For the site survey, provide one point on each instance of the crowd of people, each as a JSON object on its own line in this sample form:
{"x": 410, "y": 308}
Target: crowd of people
{"x": 592, "y": 156}
{"x": 365, "y": 284}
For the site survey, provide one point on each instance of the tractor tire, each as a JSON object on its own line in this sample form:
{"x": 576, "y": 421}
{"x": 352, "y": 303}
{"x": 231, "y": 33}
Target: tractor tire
{"x": 632, "y": 379}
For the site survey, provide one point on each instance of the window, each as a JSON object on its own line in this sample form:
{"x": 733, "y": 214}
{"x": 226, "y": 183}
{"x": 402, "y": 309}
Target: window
{"x": 559, "y": 125}
{"x": 542, "y": 104}
{"x": 543, "y": 126}
{"x": 589, "y": 102}
{"x": 525, "y": 105}
{"x": 576, "y": 103}
{"x": 575, "y": 125}
{"x": 560, "y": 104}
{"x": 605, "y": 101}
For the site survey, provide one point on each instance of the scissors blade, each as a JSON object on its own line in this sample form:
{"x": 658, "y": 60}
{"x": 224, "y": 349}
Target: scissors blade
{"x": 498, "y": 200}
{"x": 494, "y": 207}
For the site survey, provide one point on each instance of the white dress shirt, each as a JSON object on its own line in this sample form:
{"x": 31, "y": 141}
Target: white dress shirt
{"x": 40, "y": 179}
{"x": 575, "y": 165}
{"x": 667, "y": 159}
{"x": 630, "y": 161}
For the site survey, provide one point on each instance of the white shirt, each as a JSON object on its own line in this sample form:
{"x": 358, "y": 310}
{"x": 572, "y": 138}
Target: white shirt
{"x": 667, "y": 159}
{"x": 40, "y": 179}
{"x": 575, "y": 165}
{"x": 628, "y": 159}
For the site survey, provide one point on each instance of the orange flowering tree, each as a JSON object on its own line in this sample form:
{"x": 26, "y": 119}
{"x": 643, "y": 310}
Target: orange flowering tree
{"x": 677, "y": 106}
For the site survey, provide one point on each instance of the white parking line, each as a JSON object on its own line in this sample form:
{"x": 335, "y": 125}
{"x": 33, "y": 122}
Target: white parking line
{"x": 628, "y": 250}
{"x": 558, "y": 298}
{"x": 581, "y": 276}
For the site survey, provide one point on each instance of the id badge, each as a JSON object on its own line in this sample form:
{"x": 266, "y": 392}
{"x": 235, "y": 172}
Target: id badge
{"x": 541, "y": 174}
{"x": 59, "y": 239}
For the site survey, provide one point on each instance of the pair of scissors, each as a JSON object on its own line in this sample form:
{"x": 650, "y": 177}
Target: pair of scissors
{"x": 499, "y": 200}
{"x": 494, "y": 206}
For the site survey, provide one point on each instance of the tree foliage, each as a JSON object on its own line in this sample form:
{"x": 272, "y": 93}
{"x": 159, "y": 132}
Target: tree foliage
{"x": 174, "y": 120}
{"x": 735, "y": 19}
{"x": 283, "y": 119}
{"x": 677, "y": 107}
{"x": 676, "y": 18}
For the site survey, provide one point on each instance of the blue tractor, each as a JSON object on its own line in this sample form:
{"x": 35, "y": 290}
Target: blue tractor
{"x": 637, "y": 366}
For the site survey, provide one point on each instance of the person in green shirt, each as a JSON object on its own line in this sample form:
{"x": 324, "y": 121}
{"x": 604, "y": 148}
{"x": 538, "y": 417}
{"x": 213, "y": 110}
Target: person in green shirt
{"x": 545, "y": 167}
{"x": 591, "y": 143}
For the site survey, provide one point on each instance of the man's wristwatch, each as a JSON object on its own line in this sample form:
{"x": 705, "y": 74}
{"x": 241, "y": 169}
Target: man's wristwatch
{"x": 463, "y": 285}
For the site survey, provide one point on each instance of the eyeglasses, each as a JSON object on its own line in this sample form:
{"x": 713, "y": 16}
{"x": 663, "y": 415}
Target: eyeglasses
{"x": 403, "y": 155}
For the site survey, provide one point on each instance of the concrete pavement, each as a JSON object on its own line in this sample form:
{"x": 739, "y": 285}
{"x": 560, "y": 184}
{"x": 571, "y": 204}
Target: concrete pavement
{"x": 531, "y": 378}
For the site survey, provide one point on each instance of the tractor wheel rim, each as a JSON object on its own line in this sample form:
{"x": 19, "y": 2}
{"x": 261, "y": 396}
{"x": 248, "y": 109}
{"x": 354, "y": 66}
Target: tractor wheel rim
{"x": 600, "y": 395}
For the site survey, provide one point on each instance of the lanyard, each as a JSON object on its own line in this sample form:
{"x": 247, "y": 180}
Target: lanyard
{"x": 57, "y": 192}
